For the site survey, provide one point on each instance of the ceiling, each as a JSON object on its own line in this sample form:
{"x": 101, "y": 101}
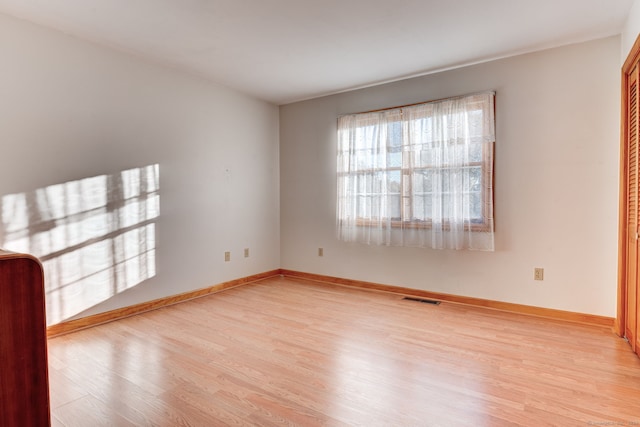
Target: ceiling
{"x": 288, "y": 50}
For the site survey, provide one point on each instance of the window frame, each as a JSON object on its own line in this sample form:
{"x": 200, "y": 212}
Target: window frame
{"x": 486, "y": 221}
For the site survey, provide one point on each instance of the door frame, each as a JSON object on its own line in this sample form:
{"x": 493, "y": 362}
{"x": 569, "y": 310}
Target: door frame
{"x": 620, "y": 322}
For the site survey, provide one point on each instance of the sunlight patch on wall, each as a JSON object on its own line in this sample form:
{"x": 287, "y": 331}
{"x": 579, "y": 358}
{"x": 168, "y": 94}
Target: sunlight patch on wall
{"x": 96, "y": 237}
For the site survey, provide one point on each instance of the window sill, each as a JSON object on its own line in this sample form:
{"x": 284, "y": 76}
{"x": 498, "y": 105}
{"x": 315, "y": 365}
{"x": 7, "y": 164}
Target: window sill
{"x": 422, "y": 225}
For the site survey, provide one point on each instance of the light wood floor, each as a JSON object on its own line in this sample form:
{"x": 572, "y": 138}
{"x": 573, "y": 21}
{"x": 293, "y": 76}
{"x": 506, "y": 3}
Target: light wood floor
{"x": 291, "y": 352}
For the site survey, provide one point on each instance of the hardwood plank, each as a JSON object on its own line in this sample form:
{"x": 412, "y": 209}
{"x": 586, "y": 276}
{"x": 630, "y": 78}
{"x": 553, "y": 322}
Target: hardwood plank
{"x": 89, "y": 411}
{"x": 289, "y": 351}
{"x": 571, "y": 316}
{"x": 121, "y": 313}
{"x": 67, "y": 390}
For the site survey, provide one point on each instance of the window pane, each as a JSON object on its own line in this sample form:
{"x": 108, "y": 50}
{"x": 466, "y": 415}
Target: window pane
{"x": 394, "y": 207}
{"x": 394, "y": 187}
{"x": 444, "y": 176}
{"x": 475, "y": 152}
{"x": 422, "y": 180}
{"x": 422, "y": 204}
{"x": 425, "y": 162}
{"x": 476, "y": 206}
{"x": 475, "y": 179}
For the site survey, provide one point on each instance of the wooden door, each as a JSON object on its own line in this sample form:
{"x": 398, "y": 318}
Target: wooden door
{"x": 628, "y": 321}
{"x": 632, "y": 209}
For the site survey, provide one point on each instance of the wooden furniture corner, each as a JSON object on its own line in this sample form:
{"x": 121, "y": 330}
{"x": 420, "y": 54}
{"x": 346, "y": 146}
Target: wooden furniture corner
{"x": 24, "y": 382}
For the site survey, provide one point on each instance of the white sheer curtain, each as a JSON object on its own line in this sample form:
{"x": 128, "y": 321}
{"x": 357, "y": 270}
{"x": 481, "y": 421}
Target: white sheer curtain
{"x": 419, "y": 175}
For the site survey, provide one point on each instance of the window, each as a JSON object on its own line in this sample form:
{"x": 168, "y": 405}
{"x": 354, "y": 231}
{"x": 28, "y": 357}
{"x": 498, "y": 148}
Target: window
{"x": 419, "y": 175}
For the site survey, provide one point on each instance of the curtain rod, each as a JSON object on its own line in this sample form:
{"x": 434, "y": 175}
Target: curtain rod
{"x": 419, "y": 103}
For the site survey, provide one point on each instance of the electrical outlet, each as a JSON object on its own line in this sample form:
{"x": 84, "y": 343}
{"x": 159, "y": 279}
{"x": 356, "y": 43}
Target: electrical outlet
{"x": 538, "y": 273}
{"x": 227, "y": 256}
{"x": 320, "y": 252}
{"x": 246, "y": 252}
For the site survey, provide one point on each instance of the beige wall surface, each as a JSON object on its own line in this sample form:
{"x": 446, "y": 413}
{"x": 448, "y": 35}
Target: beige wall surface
{"x": 76, "y": 116}
{"x": 631, "y": 29}
{"x": 556, "y": 183}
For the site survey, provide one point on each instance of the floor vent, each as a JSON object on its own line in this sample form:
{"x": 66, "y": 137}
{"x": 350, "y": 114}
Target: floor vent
{"x": 422, "y": 300}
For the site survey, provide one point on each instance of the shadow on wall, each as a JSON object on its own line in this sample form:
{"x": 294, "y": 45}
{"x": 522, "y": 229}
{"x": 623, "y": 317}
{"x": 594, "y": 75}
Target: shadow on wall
{"x": 96, "y": 237}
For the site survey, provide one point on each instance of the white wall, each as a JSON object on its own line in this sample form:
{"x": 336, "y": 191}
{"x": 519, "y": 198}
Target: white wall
{"x": 556, "y": 190}
{"x": 631, "y": 29}
{"x": 70, "y": 110}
